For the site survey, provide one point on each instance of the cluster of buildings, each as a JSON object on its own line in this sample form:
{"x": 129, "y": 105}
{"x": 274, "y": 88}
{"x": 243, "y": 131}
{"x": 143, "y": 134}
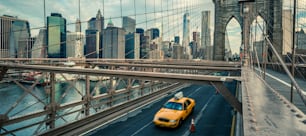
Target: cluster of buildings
{"x": 99, "y": 41}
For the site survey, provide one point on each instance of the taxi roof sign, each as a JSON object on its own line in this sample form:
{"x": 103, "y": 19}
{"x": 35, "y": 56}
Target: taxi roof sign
{"x": 178, "y": 95}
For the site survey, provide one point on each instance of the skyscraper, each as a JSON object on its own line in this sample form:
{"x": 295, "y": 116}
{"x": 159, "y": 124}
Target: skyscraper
{"x": 132, "y": 42}
{"x": 56, "y": 36}
{"x": 205, "y": 53}
{"x": 78, "y": 25}
{"x": 113, "y": 42}
{"x": 186, "y": 30}
{"x": 154, "y": 33}
{"x": 301, "y": 40}
{"x": 99, "y": 21}
{"x": 91, "y": 24}
{"x": 39, "y": 50}
{"x": 75, "y": 44}
{"x": 186, "y": 37}
{"x": 142, "y": 50}
{"x": 128, "y": 24}
{"x": 25, "y": 47}
{"x": 94, "y": 37}
{"x": 12, "y": 30}
{"x": 92, "y": 43}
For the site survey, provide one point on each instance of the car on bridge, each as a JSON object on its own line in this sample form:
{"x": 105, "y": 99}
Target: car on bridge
{"x": 174, "y": 112}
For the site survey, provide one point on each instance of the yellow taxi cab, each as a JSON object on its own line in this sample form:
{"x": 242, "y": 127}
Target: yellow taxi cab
{"x": 176, "y": 110}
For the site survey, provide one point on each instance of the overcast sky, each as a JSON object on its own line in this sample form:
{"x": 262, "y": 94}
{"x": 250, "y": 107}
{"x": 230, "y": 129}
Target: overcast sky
{"x": 32, "y": 10}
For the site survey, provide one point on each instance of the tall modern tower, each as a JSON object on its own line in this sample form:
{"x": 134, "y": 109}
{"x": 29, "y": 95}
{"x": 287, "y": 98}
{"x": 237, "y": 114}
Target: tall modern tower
{"x": 142, "y": 40}
{"x": 113, "y": 42}
{"x": 92, "y": 43}
{"x": 12, "y": 31}
{"x": 186, "y": 30}
{"x": 94, "y": 37}
{"x": 132, "y": 42}
{"x": 205, "y": 53}
{"x": 128, "y": 24}
{"x": 186, "y": 37}
{"x": 56, "y": 36}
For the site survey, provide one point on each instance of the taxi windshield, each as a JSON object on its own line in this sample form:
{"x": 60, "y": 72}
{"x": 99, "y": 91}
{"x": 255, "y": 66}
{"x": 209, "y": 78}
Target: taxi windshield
{"x": 173, "y": 105}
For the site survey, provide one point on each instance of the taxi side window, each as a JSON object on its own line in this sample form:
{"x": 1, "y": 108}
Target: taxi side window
{"x": 185, "y": 106}
{"x": 188, "y": 102}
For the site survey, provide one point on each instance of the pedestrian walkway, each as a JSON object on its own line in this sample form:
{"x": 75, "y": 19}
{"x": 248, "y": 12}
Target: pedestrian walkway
{"x": 282, "y": 83}
{"x": 265, "y": 111}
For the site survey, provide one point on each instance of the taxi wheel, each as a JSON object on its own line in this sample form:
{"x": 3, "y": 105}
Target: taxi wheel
{"x": 180, "y": 123}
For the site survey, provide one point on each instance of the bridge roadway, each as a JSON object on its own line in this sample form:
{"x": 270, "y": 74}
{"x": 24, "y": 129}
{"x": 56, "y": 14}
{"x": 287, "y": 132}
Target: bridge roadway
{"x": 212, "y": 116}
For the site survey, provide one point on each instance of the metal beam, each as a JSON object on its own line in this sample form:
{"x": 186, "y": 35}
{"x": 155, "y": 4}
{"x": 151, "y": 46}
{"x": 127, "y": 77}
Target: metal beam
{"x": 127, "y": 74}
{"x": 230, "y": 98}
{"x": 2, "y": 73}
{"x": 223, "y": 68}
{"x": 141, "y": 61}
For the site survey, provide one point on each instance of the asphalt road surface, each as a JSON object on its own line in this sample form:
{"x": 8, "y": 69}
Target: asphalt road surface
{"x": 212, "y": 116}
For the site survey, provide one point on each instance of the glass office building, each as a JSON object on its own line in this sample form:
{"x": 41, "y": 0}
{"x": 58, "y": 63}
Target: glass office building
{"x": 56, "y": 36}
{"x": 128, "y": 24}
{"x": 12, "y": 31}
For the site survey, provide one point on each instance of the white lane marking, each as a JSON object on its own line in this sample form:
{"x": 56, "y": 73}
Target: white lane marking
{"x": 141, "y": 129}
{"x": 120, "y": 116}
{"x": 151, "y": 122}
{"x": 277, "y": 79}
{"x": 187, "y": 133}
{"x": 194, "y": 92}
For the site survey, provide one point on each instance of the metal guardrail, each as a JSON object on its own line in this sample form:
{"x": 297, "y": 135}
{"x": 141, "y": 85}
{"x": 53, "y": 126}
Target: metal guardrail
{"x": 107, "y": 99}
{"x": 87, "y": 123}
{"x": 300, "y": 91}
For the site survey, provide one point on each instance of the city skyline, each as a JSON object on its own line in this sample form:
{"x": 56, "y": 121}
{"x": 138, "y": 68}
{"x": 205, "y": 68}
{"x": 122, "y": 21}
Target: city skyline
{"x": 69, "y": 10}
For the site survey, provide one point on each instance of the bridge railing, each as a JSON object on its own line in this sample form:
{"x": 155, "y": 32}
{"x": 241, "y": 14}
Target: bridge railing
{"x": 299, "y": 90}
{"x": 36, "y": 107}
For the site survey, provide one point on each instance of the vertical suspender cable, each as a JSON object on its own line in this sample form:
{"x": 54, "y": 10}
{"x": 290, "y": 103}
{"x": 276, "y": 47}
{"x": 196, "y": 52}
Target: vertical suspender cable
{"x": 121, "y": 10}
{"x": 293, "y": 48}
{"x": 154, "y": 15}
{"x": 135, "y": 9}
{"x": 168, "y": 18}
{"x": 162, "y": 19}
{"x": 45, "y": 13}
{"x": 146, "y": 14}
{"x": 103, "y": 8}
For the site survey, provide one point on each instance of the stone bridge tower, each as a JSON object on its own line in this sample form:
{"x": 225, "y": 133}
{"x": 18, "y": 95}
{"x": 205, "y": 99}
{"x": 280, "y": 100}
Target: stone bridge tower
{"x": 245, "y": 12}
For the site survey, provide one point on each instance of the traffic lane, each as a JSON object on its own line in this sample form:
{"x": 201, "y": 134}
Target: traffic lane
{"x": 141, "y": 124}
{"x": 217, "y": 119}
{"x": 201, "y": 94}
